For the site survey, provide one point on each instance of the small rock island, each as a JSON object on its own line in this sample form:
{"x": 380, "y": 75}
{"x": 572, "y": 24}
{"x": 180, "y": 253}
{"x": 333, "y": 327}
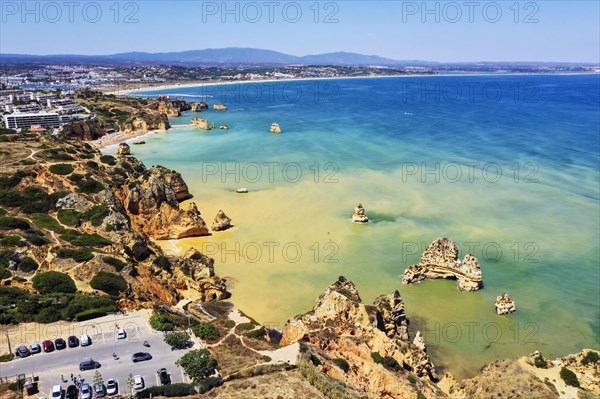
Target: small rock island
{"x": 359, "y": 215}
{"x": 275, "y": 128}
{"x": 221, "y": 222}
{"x": 124, "y": 149}
{"x": 505, "y": 304}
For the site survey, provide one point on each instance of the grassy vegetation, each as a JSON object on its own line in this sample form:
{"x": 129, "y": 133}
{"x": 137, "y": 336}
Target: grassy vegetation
{"x": 78, "y": 255}
{"x": 96, "y": 214}
{"x": 10, "y": 223}
{"x": 332, "y": 389}
{"x": 68, "y": 217}
{"x": 61, "y": 169}
{"x": 12, "y": 241}
{"x": 84, "y": 239}
{"x": 89, "y": 185}
{"x": 112, "y": 284}
{"x": 43, "y": 220}
{"x": 173, "y": 390}
{"x": 31, "y": 200}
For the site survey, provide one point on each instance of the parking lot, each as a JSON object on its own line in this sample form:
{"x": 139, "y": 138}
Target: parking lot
{"x": 51, "y": 367}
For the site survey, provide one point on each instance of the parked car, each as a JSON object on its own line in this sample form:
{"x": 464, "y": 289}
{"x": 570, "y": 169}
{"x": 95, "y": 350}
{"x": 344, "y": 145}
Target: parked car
{"x": 57, "y": 392}
{"x": 48, "y": 346}
{"x": 164, "y": 377}
{"x": 60, "y": 343}
{"x": 99, "y": 390}
{"x": 85, "y": 340}
{"x": 121, "y": 334}
{"x": 35, "y": 348}
{"x": 86, "y": 391}
{"x": 73, "y": 341}
{"x": 140, "y": 357}
{"x": 111, "y": 387}
{"x": 138, "y": 382}
{"x": 89, "y": 365}
{"x": 22, "y": 351}
{"x": 72, "y": 392}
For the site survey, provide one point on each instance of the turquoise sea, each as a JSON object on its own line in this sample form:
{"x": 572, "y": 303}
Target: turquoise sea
{"x": 507, "y": 166}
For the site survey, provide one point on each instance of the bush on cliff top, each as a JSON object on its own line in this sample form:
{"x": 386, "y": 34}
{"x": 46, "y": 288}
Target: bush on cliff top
{"x": 84, "y": 239}
{"x": 53, "y": 282}
{"x": 68, "y": 217}
{"x": 590, "y": 357}
{"x": 112, "y": 284}
{"x": 78, "y": 255}
{"x": 569, "y": 377}
{"x": 61, "y": 169}
{"x": 118, "y": 264}
{"x": 206, "y": 331}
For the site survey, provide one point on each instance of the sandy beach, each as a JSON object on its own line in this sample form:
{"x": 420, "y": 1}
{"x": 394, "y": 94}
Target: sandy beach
{"x": 122, "y": 137}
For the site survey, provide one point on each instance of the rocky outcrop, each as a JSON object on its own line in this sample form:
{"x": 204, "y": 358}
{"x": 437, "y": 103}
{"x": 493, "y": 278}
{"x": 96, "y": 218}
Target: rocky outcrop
{"x": 220, "y": 107}
{"x": 505, "y": 304}
{"x": 75, "y": 202}
{"x": 340, "y": 326}
{"x": 172, "y": 108}
{"x": 275, "y": 128}
{"x": 221, "y": 222}
{"x": 86, "y": 130}
{"x": 440, "y": 260}
{"x": 145, "y": 120}
{"x": 124, "y": 149}
{"x": 151, "y": 202}
{"x": 198, "y": 106}
{"x": 201, "y": 123}
{"x": 359, "y": 214}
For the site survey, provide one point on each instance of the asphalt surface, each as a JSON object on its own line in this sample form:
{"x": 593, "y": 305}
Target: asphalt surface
{"x": 51, "y": 366}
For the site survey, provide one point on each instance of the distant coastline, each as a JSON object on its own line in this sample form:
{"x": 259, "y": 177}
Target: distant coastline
{"x": 170, "y": 86}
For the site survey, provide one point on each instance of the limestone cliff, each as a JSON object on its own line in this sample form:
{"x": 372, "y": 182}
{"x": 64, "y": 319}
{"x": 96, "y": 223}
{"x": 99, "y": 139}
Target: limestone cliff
{"x": 84, "y": 130}
{"x": 440, "y": 260}
{"x": 172, "y": 108}
{"x": 340, "y": 326}
{"x": 151, "y": 202}
{"x": 146, "y": 119}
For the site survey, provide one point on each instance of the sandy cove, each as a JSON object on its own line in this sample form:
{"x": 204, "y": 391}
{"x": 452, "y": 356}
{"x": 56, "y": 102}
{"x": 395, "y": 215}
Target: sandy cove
{"x": 122, "y": 137}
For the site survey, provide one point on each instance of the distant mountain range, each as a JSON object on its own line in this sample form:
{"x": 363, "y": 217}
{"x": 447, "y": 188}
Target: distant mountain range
{"x": 220, "y": 57}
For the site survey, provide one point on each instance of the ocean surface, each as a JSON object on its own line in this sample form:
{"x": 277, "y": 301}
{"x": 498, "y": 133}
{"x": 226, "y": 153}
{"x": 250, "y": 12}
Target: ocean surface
{"x": 507, "y": 166}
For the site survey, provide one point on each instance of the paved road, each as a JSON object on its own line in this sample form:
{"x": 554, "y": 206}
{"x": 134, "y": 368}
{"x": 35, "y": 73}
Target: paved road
{"x": 51, "y": 366}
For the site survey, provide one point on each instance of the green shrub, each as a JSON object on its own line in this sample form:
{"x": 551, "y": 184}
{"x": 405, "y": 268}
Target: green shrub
{"x": 81, "y": 303}
{"x": 229, "y": 324}
{"x": 198, "y": 364}
{"x": 27, "y": 264}
{"x": 52, "y": 282}
{"x": 14, "y": 241}
{"x": 116, "y": 263}
{"x": 84, "y": 239}
{"x": 75, "y": 177}
{"x": 4, "y": 273}
{"x": 412, "y": 379}
{"x": 161, "y": 322}
{"x": 176, "y": 339}
{"x": 2, "y": 211}
{"x": 569, "y": 377}
{"x": 343, "y": 364}
{"x": 89, "y": 186}
{"x": 163, "y": 262}
{"x": 314, "y": 360}
{"x": 43, "y": 220}
{"x": 37, "y": 240}
{"x": 78, "y": 255}
{"x": 5, "y": 257}
{"x": 206, "y": 331}
{"x": 96, "y": 214}
{"x": 108, "y": 159}
{"x": 93, "y": 313}
{"x": 10, "y": 223}
{"x": 11, "y": 198}
{"x": 540, "y": 362}
{"x": 388, "y": 362}
{"x": 266, "y": 358}
{"x": 47, "y": 315}
{"x": 112, "y": 284}
{"x": 209, "y": 383}
{"x": 259, "y": 333}
{"x": 68, "y": 217}
{"x": 421, "y": 396}
{"x": 172, "y": 390}
{"x": 36, "y": 200}
{"x": 7, "y": 357}
{"x": 61, "y": 169}
{"x": 590, "y": 357}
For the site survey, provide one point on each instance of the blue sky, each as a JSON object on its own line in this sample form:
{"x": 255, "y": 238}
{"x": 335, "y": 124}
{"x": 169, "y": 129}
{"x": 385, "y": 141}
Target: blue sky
{"x": 434, "y": 30}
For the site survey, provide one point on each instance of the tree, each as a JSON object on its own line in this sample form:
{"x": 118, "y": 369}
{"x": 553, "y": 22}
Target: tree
{"x": 569, "y": 377}
{"x": 130, "y": 383}
{"x": 161, "y": 322}
{"x": 98, "y": 380}
{"x": 112, "y": 284}
{"x": 177, "y": 339}
{"x": 52, "y": 282}
{"x": 206, "y": 331}
{"x": 197, "y": 364}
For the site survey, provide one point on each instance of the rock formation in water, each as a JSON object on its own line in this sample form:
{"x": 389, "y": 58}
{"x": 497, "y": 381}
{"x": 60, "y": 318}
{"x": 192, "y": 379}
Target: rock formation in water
{"x": 275, "y": 128}
{"x": 221, "y": 222}
{"x": 124, "y": 149}
{"x": 172, "y": 108}
{"x": 366, "y": 337}
{"x": 220, "y": 107}
{"x": 505, "y": 304}
{"x": 359, "y": 214}
{"x": 146, "y": 120}
{"x": 198, "y": 106}
{"x": 139, "y": 142}
{"x": 440, "y": 260}
{"x": 151, "y": 201}
{"x": 201, "y": 123}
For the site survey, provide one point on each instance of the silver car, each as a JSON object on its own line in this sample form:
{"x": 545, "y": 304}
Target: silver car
{"x": 111, "y": 387}
{"x": 86, "y": 391}
{"x": 138, "y": 382}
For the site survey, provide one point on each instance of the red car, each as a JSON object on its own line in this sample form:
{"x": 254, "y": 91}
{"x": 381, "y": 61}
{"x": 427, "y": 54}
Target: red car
{"x": 48, "y": 346}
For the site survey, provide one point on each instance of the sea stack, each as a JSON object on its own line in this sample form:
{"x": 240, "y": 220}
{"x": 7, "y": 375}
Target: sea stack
{"x": 220, "y": 107}
{"x": 124, "y": 149}
{"x": 505, "y": 304}
{"x": 221, "y": 222}
{"x": 359, "y": 214}
{"x": 275, "y": 128}
{"x": 201, "y": 123}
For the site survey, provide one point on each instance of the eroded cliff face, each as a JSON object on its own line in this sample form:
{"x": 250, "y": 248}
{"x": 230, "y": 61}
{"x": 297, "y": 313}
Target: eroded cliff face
{"x": 84, "y": 130}
{"x": 172, "y": 108}
{"x": 341, "y": 326}
{"x": 145, "y": 120}
{"x": 152, "y": 203}
{"x": 440, "y": 260}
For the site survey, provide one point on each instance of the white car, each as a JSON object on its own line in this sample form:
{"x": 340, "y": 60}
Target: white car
{"x": 57, "y": 392}
{"x": 138, "y": 382}
{"x": 111, "y": 387}
{"x": 85, "y": 340}
{"x": 121, "y": 334}
{"x": 86, "y": 391}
